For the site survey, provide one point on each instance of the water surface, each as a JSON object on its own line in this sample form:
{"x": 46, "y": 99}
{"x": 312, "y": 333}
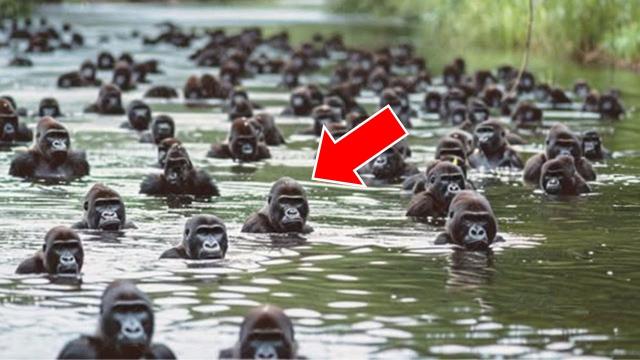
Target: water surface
{"x": 368, "y": 282}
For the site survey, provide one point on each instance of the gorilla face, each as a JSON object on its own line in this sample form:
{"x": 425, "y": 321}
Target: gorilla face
{"x": 128, "y": 327}
{"x": 207, "y": 241}
{"x": 54, "y": 145}
{"x": 432, "y": 102}
{"x": 489, "y": 138}
{"x": 177, "y": 171}
{"x": 162, "y": 129}
{"x": 122, "y": 79}
{"x": 591, "y": 145}
{"x": 563, "y": 144}
{"x": 474, "y": 230}
{"x": 64, "y": 257}
{"x": 107, "y": 214}
{"x": 448, "y": 184}
{"x": 266, "y": 333}
{"x": 139, "y": 116}
{"x": 265, "y": 344}
{"x": 49, "y": 107}
{"x": 88, "y": 71}
{"x": 110, "y": 103}
{"x": 458, "y": 115}
{"x": 559, "y": 176}
{"x": 244, "y": 147}
{"x": 300, "y": 103}
{"x": 388, "y": 164}
{"x": 8, "y": 128}
{"x": 106, "y": 61}
{"x": 289, "y": 212}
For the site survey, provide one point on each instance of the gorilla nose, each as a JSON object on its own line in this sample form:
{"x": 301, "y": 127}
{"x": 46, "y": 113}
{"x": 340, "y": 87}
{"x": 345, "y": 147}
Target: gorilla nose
{"x": 247, "y": 149}
{"x": 292, "y": 212}
{"x": 480, "y": 115}
{"x": 211, "y": 245}
{"x": 58, "y": 145}
{"x": 9, "y": 129}
{"x": 589, "y": 146}
{"x": 120, "y": 80}
{"x": 133, "y": 330}
{"x": 453, "y": 188}
{"x": 380, "y": 161}
{"x": 266, "y": 352}
{"x": 552, "y": 186}
{"x": 67, "y": 259}
{"x": 477, "y": 233}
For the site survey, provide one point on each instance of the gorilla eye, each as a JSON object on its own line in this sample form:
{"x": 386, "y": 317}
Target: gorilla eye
{"x": 432, "y": 180}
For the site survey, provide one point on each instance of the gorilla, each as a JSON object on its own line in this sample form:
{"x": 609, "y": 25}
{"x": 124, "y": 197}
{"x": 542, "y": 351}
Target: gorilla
{"x": 559, "y": 141}
{"x": 11, "y": 130}
{"x": 123, "y": 76}
{"x": 443, "y": 181}
{"x": 493, "y": 150}
{"x": 179, "y": 177}
{"x": 51, "y": 157}
{"x": 266, "y": 125}
{"x": 322, "y": 116}
{"x": 139, "y": 116}
{"x": 109, "y": 101}
{"x": 106, "y": 61}
{"x": 581, "y": 88}
{"x": 205, "y": 237}
{"x": 432, "y": 102}
{"x": 389, "y": 167}
{"x": 286, "y": 210}
{"x": 265, "y": 333}
{"x": 86, "y": 76}
{"x": 103, "y": 210}
{"x": 163, "y": 149}
{"x": 471, "y": 223}
{"x": 61, "y": 255}
{"x": 244, "y": 143}
{"x": 125, "y": 329}
{"x": 592, "y": 146}
{"x": 241, "y": 108}
{"x": 559, "y": 177}
{"x": 49, "y": 107}
{"x": 300, "y": 103}
{"x": 162, "y": 127}
{"x": 161, "y": 92}
{"x": 527, "y": 116}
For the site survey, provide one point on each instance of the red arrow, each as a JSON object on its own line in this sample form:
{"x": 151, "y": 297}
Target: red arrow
{"x": 337, "y": 161}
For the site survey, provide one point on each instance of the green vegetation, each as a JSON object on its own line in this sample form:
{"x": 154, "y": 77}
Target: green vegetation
{"x": 13, "y": 8}
{"x": 584, "y": 30}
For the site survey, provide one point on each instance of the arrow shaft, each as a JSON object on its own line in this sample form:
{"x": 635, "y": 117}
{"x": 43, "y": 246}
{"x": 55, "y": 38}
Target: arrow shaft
{"x": 370, "y": 138}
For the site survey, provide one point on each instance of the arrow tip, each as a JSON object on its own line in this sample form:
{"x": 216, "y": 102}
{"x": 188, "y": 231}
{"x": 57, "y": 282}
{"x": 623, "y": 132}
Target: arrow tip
{"x": 330, "y": 165}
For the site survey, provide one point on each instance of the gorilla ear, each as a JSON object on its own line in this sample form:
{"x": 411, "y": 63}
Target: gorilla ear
{"x": 269, "y": 199}
{"x": 451, "y": 213}
{"x": 187, "y": 232}
{"x": 503, "y": 133}
{"x": 44, "y": 247}
{"x": 86, "y": 205}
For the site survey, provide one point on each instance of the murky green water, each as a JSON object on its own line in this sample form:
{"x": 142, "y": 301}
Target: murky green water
{"x": 368, "y": 282}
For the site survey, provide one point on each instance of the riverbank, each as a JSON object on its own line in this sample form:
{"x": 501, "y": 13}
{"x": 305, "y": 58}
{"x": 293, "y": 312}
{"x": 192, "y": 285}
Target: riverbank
{"x": 587, "y": 32}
